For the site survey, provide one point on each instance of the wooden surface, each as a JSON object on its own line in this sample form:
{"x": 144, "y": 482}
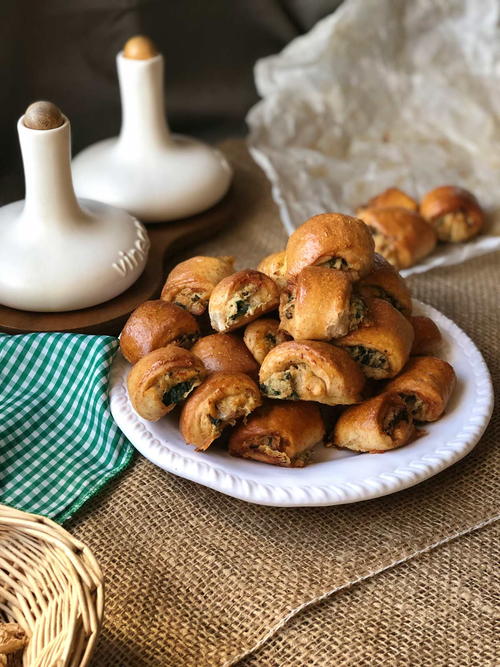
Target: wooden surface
{"x": 108, "y": 318}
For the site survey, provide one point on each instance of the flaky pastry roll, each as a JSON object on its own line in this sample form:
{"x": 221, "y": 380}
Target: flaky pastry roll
{"x": 282, "y": 433}
{"x": 241, "y": 298}
{"x": 163, "y": 378}
{"x": 425, "y": 385}
{"x": 454, "y": 213}
{"x": 332, "y": 240}
{"x": 382, "y": 343}
{"x": 156, "y": 324}
{"x": 219, "y": 401}
{"x": 377, "y": 425}
{"x": 262, "y": 335}
{"x": 274, "y": 266}
{"x": 428, "y": 338}
{"x": 190, "y": 283}
{"x": 319, "y": 304}
{"x": 391, "y": 197}
{"x": 384, "y": 282}
{"x": 403, "y": 237}
{"x": 311, "y": 371}
{"x": 226, "y": 352}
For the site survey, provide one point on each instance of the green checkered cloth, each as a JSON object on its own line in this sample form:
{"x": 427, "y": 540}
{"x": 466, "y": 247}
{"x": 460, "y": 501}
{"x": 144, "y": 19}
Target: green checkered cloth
{"x": 58, "y": 442}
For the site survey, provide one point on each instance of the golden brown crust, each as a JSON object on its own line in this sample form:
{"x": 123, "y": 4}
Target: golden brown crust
{"x": 319, "y": 305}
{"x": 377, "y": 425}
{"x": 331, "y": 237}
{"x": 220, "y": 400}
{"x": 163, "y": 378}
{"x": 262, "y": 335}
{"x": 427, "y": 336}
{"x": 241, "y": 298}
{"x": 454, "y": 212}
{"x": 426, "y": 385}
{"x": 274, "y": 266}
{"x": 403, "y": 237}
{"x": 190, "y": 283}
{"x": 382, "y": 343}
{"x": 225, "y": 352}
{"x": 384, "y": 282}
{"x": 391, "y": 197}
{"x": 311, "y": 371}
{"x": 156, "y": 324}
{"x": 282, "y": 433}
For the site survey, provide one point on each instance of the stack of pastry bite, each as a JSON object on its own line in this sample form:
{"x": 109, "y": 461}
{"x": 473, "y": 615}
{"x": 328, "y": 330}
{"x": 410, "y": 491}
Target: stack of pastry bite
{"x": 405, "y": 232}
{"x": 326, "y": 323}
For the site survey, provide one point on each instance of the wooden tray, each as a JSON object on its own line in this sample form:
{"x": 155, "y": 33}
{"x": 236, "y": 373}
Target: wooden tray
{"x": 108, "y": 318}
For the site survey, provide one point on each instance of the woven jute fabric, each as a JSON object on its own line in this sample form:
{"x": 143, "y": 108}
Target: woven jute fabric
{"x": 437, "y": 610}
{"x": 194, "y": 577}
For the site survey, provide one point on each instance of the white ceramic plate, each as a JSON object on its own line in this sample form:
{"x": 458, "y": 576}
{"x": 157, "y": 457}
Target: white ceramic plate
{"x": 332, "y": 477}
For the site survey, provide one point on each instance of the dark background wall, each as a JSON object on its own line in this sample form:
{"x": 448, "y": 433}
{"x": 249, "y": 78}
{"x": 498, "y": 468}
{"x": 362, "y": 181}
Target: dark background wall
{"x": 64, "y": 51}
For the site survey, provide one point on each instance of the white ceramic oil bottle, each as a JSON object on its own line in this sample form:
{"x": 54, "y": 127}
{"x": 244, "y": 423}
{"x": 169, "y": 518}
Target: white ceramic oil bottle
{"x": 155, "y": 175}
{"x": 57, "y": 252}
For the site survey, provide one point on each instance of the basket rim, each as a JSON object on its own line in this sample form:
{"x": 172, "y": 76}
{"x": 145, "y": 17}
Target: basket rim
{"x": 62, "y": 625}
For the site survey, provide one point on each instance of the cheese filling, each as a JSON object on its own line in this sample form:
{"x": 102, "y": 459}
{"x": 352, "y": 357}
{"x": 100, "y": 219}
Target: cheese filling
{"x": 453, "y": 226}
{"x": 194, "y": 302}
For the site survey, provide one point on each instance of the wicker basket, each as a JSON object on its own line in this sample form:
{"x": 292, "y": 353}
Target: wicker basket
{"x": 52, "y": 586}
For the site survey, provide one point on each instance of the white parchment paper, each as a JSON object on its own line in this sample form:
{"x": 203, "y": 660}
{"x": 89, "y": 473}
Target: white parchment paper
{"x": 385, "y": 93}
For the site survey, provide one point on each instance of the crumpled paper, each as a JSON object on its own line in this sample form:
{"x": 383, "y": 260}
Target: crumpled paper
{"x": 385, "y": 93}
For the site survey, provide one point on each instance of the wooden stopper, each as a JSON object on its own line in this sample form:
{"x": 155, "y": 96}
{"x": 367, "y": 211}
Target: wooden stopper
{"x": 43, "y": 116}
{"x": 140, "y": 47}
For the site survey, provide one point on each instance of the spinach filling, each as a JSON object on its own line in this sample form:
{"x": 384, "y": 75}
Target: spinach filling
{"x": 271, "y": 338}
{"x": 381, "y": 293}
{"x": 289, "y": 308}
{"x": 413, "y": 403}
{"x": 338, "y": 263}
{"x": 177, "y": 392}
{"x": 357, "y": 311}
{"x": 368, "y": 356}
{"x": 398, "y": 417}
{"x": 268, "y": 391}
{"x": 288, "y": 378}
{"x": 215, "y": 421}
{"x": 186, "y": 340}
{"x": 242, "y": 306}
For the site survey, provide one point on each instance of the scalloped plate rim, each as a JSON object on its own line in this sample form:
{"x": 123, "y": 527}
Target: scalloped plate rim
{"x": 392, "y": 480}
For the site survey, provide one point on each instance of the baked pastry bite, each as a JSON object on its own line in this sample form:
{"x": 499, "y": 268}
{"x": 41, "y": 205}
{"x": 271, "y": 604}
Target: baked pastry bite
{"x": 382, "y": 344}
{"x": 163, "y": 378}
{"x": 320, "y": 304}
{"x": 332, "y": 240}
{"x": 240, "y": 298}
{"x": 282, "y": 433}
{"x": 403, "y": 237}
{"x": 225, "y": 352}
{"x": 453, "y": 212}
{"x": 262, "y": 335}
{"x": 428, "y": 338}
{"x": 190, "y": 283}
{"x": 425, "y": 385}
{"x": 377, "y": 425}
{"x": 156, "y": 324}
{"x": 274, "y": 266}
{"x": 384, "y": 282}
{"x": 219, "y": 401}
{"x": 391, "y": 197}
{"x": 311, "y": 371}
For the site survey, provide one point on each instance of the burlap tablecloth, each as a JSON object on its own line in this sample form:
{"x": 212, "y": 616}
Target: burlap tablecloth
{"x": 197, "y": 578}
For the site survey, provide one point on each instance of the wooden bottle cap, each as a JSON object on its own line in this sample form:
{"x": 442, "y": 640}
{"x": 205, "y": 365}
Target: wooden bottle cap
{"x": 140, "y": 47}
{"x": 43, "y": 116}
